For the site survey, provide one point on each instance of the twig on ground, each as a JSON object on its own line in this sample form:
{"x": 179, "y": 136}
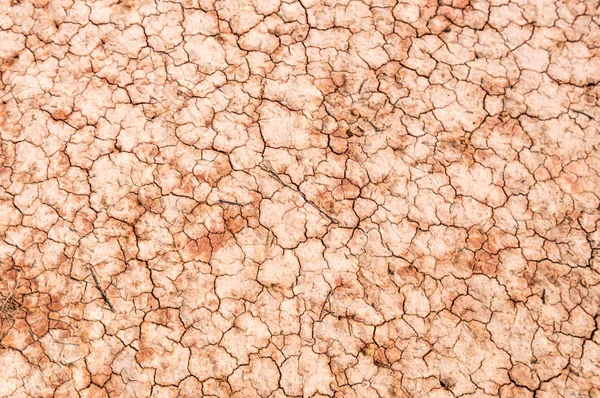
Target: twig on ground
{"x": 324, "y": 304}
{"x": 269, "y": 169}
{"x": 227, "y": 202}
{"x": 6, "y": 93}
{"x": 102, "y": 292}
{"x": 58, "y": 320}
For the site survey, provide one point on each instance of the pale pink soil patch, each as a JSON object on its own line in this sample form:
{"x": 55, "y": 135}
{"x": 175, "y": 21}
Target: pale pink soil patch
{"x": 299, "y": 198}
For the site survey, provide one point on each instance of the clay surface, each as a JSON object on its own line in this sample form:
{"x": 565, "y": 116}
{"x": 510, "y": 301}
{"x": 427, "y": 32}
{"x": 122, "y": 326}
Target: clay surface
{"x": 299, "y": 198}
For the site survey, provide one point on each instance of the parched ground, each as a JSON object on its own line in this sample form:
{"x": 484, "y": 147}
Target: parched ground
{"x": 299, "y": 198}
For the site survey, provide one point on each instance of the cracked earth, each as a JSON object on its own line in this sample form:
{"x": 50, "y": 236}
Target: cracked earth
{"x": 299, "y": 198}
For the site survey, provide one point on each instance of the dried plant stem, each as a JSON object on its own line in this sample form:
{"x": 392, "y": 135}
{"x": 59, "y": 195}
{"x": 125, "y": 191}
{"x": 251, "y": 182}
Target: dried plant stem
{"x": 11, "y": 293}
{"x": 102, "y": 292}
{"x": 265, "y": 166}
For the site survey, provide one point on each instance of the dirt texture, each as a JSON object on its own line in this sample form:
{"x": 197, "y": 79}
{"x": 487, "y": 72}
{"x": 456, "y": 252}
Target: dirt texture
{"x": 299, "y": 198}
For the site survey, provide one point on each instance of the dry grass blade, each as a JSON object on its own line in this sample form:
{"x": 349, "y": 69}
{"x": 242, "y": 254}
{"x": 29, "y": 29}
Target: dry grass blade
{"x": 266, "y": 166}
{"x": 9, "y": 298}
{"x": 102, "y": 292}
